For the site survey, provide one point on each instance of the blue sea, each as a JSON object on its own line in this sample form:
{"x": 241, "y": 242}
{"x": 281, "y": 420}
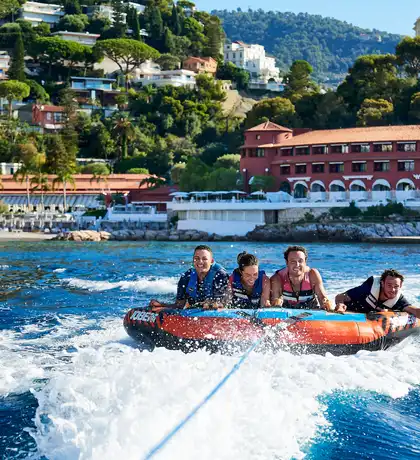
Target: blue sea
{"x": 73, "y": 385}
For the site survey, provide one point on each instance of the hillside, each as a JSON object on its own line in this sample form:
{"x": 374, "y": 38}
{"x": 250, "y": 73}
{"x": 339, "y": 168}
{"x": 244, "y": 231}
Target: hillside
{"x": 330, "y": 45}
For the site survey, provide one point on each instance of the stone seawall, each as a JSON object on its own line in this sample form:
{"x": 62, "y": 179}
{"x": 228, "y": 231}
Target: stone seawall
{"x": 339, "y": 232}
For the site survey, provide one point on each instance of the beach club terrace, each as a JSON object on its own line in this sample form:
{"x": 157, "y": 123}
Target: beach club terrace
{"x": 84, "y": 194}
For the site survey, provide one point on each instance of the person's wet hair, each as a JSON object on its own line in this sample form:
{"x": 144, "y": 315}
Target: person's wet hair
{"x": 393, "y": 274}
{"x": 203, "y": 247}
{"x": 295, "y": 249}
{"x": 245, "y": 259}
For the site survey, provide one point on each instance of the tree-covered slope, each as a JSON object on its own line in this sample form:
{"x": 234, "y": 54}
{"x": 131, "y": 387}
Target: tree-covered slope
{"x": 330, "y": 45}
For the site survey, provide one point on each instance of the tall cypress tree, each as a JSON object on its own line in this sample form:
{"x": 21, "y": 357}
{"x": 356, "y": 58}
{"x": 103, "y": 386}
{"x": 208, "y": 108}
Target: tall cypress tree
{"x": 136, "y": 28}
{"x": 17, "y": 66}
{"x": 72, "y": 7}
{"x": 175, "y": 21}
{"x": 156, "y": 26}
{"x": 168, "y": 41}
{"x": 214, "y": 34}
{"x": 119, "y": 23}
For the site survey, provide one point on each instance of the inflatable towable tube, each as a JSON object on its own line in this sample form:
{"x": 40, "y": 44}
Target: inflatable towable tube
{"x": 311, "y": 331}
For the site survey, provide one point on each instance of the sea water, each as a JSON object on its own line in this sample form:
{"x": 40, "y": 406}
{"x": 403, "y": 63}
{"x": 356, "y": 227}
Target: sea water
{"x": 73, "y": 385}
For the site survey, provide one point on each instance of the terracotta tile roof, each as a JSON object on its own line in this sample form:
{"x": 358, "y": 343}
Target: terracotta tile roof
{"x": 200, "y": 59}
{"x": 84, "y": 183}
{"x": 50, "y": 108}
{"x": 269, "y": 126}
{"x": 344, "y": 136}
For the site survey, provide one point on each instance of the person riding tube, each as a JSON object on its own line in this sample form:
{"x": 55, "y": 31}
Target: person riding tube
{"x": 250, "y": 286}
{"x": 204, "y": 285}
{"x": 297, "y": 285}
{"x": 377, "y": 294}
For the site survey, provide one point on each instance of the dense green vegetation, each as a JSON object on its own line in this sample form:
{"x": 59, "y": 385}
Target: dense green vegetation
{"x": 329, "y": 45}
{"x": 182, "y": 134}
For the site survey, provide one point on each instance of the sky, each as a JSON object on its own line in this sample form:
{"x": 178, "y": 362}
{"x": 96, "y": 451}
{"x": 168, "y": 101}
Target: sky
{"x": 385, "y": 15}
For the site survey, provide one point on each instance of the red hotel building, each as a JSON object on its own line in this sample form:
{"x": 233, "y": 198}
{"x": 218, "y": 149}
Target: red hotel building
{"x": 375, "y": 163}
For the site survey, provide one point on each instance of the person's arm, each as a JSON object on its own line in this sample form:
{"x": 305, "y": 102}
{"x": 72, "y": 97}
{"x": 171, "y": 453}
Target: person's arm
{"x": 412, "y": 310}
{"x": 343, "y": 300}
{"x": 318, "y": 286}
{"x": 181, "y": 296}
{"x": 158, "y": 304}
{"x": 276, "y": 291}
{"x": 265, "y": 296}
{"x": 221, "y": 292}
{"x": 404, "y": 305}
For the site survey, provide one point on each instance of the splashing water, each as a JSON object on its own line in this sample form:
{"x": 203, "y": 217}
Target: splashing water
{"x": 93, "y": 394}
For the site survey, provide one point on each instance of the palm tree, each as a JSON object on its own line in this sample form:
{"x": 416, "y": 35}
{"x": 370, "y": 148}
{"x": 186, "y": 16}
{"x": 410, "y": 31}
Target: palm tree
{"x": 64, "y": 177}
{"x": 124, "y": 131}
{"x": 149, "y": 91}
{"x": 26, "y": 159}
{"x": 40, "y": 180}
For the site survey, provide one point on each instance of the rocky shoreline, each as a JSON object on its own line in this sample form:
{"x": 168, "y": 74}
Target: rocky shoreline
{"x": 310, "y": 232}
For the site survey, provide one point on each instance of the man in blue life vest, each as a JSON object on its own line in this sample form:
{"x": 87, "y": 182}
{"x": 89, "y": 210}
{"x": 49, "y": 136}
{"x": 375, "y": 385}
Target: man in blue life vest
{"x": 205, "y": 285}
{"x": 377, "y": 294}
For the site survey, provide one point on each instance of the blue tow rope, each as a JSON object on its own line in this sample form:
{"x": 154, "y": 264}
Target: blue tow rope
{"x": 241, "y": 360}
{"x": 178, "y": 427}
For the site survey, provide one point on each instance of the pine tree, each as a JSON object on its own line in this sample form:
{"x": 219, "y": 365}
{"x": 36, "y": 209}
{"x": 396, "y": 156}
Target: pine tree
{"x": 175, "y": 21}
{"x": 136, "y": 29}
{"x": 17, "y": 66}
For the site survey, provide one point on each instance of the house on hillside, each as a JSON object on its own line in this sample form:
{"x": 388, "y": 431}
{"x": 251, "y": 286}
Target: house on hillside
{"x": 417, "y": 27}
{"x": 252, "y": 58}
{"x": 150, "y": 73}
{"x": 105, "y": 11}
{"x": 48, "y": 117}
{"x": 35, "y": 13}
{"x": 84, "y": 38}
{"x": 93, "y": 93}
{"x": 201, "y": 65}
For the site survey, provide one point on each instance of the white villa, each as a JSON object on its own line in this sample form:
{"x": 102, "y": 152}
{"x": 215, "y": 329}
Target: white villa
{"x": 150, "y": 73}
{"x": 4, "y": 64}
{"x": 139, "y": 8}
{"x": 35, "y": 13}
{"x": 84, "y": 38}
{"x": 417, "y": 27}
{"x": 252, "y": 58}
{"x": 105, "y": 11}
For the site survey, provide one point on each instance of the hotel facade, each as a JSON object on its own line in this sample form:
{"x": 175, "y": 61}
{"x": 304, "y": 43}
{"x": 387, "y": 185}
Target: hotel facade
{"x": 313, "y": 171}
{"x": 360, "y": 164}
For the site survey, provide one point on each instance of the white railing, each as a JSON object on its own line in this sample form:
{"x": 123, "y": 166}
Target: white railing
{"x": 359, "y": 195}
{"x": 338, "y": 196}
{"x": 381, "y": 195}
{"x": 318, "y": 196}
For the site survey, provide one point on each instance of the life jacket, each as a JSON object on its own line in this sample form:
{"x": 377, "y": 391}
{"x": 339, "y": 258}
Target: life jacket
{"x": 240, "y": 297}
{"x": 305, "y": 298}
{"x": 207, "y": 282}
{"x": 373, "y": 298}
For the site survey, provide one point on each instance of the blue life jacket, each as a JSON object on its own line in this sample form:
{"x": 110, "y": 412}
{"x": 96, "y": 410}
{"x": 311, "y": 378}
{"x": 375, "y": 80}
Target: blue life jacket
{"x": 240, "y": 297}
{"x": 207, "y": 282}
